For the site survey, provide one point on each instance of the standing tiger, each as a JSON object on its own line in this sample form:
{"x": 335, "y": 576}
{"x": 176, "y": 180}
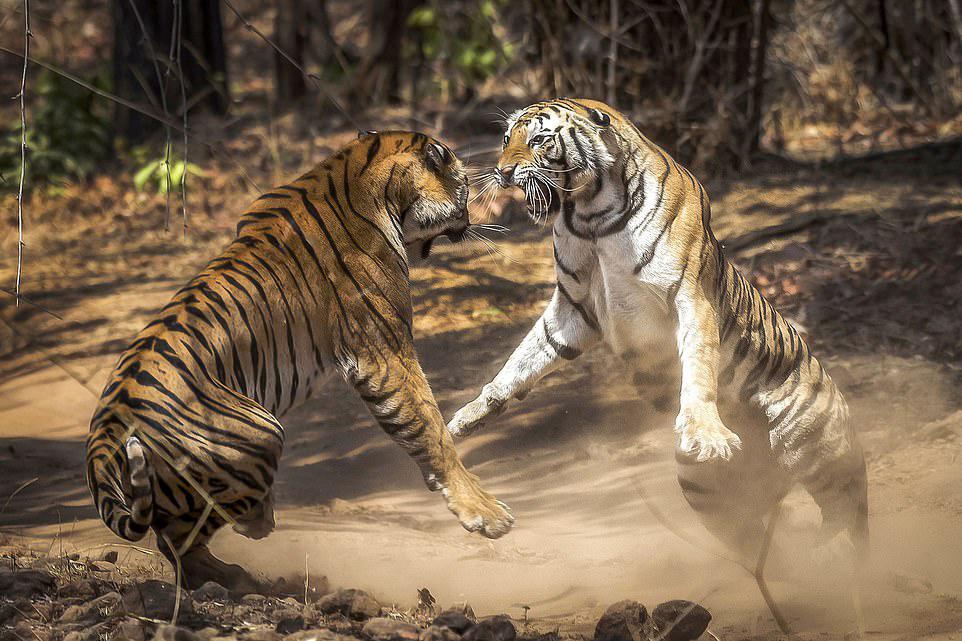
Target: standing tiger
{"x": 186, "y": 438}
{"x": 638, "y": 267}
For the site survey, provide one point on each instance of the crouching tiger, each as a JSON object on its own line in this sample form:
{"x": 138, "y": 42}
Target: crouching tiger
{"x": 186, "y": 437}
{"x": 639, "y": 268}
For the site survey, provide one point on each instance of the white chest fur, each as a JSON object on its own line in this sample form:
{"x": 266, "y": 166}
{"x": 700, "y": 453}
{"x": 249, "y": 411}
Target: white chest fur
{"x": 631, "y": 307}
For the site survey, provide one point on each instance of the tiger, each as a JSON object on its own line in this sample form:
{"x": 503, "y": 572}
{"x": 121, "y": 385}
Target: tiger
{"x": 186, "y": 437}
{"x": 638, "y": 268}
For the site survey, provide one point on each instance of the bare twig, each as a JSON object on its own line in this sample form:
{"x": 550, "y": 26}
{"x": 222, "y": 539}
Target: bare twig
{"x": 179, "y": 26}
{"x": 23, "y": 143}
{"x": 896, "y": 60}
{"x": 129, "y": 104}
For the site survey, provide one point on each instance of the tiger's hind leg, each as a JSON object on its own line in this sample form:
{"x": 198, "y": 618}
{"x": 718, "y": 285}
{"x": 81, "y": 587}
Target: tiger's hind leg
{"x": 184, "y": 544}
{"x": 840, "y": 489}
{"x": 733, "y": 498}
{"x": 257, "y": 522}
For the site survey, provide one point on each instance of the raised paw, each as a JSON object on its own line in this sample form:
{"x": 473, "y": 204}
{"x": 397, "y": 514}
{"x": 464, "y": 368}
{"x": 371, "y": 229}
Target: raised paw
{"x": 472, "y": 416}
{"x": 477, "y": 510}
{"x": 702, "y": 434}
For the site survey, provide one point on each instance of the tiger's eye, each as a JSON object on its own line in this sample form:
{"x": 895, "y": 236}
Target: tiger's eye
{"x": 504, "y": 142}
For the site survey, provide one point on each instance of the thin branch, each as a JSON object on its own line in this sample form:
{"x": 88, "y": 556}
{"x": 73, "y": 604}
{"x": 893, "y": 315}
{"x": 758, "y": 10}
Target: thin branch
{"x": 313, "y": 77}
{"x": 179, "y": 22}
{"x": 176, "y": 126}
{"x": 23, "y": 143}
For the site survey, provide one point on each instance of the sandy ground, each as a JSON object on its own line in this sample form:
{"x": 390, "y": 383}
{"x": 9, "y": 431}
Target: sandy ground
{"x": 585, "y": 461}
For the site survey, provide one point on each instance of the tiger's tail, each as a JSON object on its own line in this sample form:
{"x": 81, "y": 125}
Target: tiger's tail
{"x": 128, "y": 511}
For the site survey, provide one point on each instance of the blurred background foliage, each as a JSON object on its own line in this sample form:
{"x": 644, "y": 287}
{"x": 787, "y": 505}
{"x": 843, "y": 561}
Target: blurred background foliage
{"x": 718, "y": 82}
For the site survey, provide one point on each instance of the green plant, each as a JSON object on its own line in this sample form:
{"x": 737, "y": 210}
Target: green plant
{"x": 166, "y": 172}
{"x": 67, "y": 132}
{"x": 464, "y": 42}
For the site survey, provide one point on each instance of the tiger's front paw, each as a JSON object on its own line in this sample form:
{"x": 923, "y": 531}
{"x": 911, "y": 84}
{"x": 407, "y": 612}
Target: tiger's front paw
{"x": 702, "y": 434}
{"x": 477, "y": 510}
{"x": 472, "y": 416}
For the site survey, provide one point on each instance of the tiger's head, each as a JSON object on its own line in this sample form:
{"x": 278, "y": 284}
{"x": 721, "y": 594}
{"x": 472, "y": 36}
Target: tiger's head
{"x": 557, "y": 148}
{"x": 427, "y": 188}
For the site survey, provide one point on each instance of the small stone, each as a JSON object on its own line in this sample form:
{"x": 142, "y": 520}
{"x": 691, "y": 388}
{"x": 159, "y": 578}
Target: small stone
{"x": 354, "y": 604}
{"x": 289, "y": 623}
{"x": 95, "y": 633}
{"x": 102, "y": 566}
{"x": 465, "y": 609}
{"x": 110, "y": 556}
{"x": 9, "y": 613}
{"x": 211, "y": 591}
{"x": 253, "y": 599}
{"x": 174, "y": 633}
{"x": 911, "y": 584}
{"x": 496, "y": 628}
{"x": 25, "y": 583}
{"x": 455, "y": 620}
{"x": 131, "y": 629}
{"x": 318, "y": 635}
{"x": 154, "y": 600}
{"x": 680, "y": 620}
{"x": 384, "y": 629}
{"x": 440, "y": 633}
{"x": 99, "y": 608}
{"x": 262, "y": 635}
{"x": 622, "y": 621}
{"x": 85, "y": 589}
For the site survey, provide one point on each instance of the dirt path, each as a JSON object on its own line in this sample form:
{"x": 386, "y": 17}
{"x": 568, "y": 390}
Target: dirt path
{"x": 582, "y": 461}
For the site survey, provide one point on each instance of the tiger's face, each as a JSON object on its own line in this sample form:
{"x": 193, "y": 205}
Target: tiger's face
{"x": 554, "y": 149}
{"x": 439, "y": 204}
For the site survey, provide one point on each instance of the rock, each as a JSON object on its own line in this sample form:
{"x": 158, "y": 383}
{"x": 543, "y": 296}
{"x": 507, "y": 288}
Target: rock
{"x": 25, "y": 583}
{"x": 174, "y": 633}
{"x": 465, "y": 609}
{"x": 102, "y": 566}
{"x": 289, "y": 623}
{"x": 354, "y": 604}
{"x": 911, "y": 584}
{"x": 85, "y": 589}
{"x": 456, "y": 620}
{"x": 440, "y": 633}
{"x": 384, "y": 629}
{"x": 622, "y": 621}
{"x": 95, "y": 633}
{"x": 131, "y": 629}
{"x": 110, "y": 556}
{"x": 211, "y": 591}
{"x": 497, "y": 628}
{"x": 154, "y": 600}
{"x": 253, "y": 599}
{"x": 99, "y": 608}
{"x": 318, "y": 635}
{"x": 262, "y": 635}
{"x": 680, "y": 620}
{"x": 10, "y": 613}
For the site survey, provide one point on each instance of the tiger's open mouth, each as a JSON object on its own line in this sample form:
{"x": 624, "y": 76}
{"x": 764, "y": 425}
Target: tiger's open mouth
{"x": 422, "y": 247}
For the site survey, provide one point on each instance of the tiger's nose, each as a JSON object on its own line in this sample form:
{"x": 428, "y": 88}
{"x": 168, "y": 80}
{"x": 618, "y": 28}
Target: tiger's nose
{"x": 506, "y": 174}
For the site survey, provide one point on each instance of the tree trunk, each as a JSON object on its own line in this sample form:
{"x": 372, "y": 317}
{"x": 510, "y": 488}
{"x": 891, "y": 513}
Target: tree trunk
{"x": 291, "y": 29}
{"x": 150, "y": 36}
{"x": 379, "y": 74}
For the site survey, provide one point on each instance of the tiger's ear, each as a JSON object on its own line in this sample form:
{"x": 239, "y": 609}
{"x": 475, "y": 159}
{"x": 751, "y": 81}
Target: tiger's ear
{"x": 361, "y": 133}
{"x": 599, "y": 117}
{"x": 436, "y": 156}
